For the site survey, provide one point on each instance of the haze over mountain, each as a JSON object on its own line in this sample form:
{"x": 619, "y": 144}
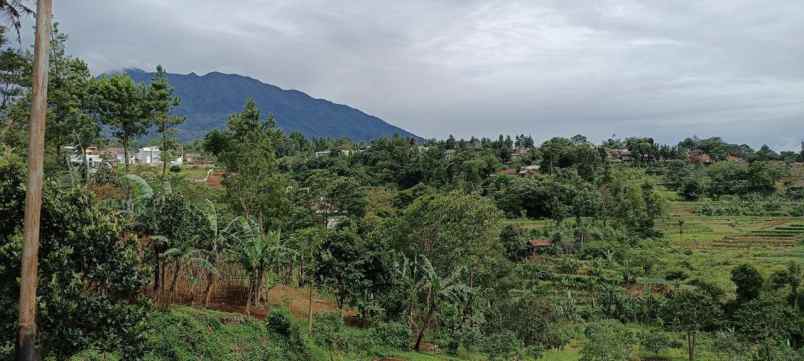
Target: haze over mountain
{"x": 208, "y": 100}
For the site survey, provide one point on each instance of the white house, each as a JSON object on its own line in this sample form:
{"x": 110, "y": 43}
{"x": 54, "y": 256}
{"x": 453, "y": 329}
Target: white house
{"x": 153, "y": 156}
{"x": 149, "y": 155}
{"x": 75, "y": 157}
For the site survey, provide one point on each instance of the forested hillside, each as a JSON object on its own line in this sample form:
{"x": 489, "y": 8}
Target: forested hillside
{"x": 253, "y": 243}
{"x": 208, "y": 99}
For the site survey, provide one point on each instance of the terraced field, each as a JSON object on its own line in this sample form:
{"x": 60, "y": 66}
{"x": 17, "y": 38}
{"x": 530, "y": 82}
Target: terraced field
{"x": 788, "y": 235}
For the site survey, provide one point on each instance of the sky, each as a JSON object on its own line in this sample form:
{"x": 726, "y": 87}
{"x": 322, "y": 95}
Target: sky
{"x": 669, "y": 69}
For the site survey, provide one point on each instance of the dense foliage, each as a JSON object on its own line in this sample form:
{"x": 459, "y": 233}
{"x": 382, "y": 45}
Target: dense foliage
{"x": 502, "y": 247}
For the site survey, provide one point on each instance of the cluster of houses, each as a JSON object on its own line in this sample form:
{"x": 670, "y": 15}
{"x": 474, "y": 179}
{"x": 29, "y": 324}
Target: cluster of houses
{"x": 623, "y": 155}
{"x": 337, "y": 152}
{"x": 150, "y": 155}
{"x": 693, "y": 157}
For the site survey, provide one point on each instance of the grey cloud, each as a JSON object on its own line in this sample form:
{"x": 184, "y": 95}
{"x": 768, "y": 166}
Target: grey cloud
{"x": 666, "y": 68}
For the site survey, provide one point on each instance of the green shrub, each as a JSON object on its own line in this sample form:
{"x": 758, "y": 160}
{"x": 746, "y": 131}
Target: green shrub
{"x": 394, "y": 335}
{"x": 507, "y": 346}
{"x": 297, "y": 346}
{"x": 328, "y": 329}
{"x": 89, "y": 293}
{"x": 279, "y": 323}
{"x": 676, "y": 275}
{"x": 608, "y": 340}
{"x": 656, "y": 342}
{"x": 185, "y": 334}
{"x": 568, "y": 265}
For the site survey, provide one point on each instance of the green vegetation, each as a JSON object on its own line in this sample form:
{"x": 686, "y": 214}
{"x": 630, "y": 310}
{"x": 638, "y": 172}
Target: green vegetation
{"x": 322, "y": 249}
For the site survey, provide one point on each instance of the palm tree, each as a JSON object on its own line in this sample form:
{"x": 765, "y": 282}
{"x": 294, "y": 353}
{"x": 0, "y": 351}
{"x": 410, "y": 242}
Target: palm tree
{"x": 14, "y": 10}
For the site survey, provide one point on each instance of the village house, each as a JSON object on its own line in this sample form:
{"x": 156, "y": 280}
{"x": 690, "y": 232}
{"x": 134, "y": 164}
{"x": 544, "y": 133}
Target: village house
{"x": 520, "y": 152}
{"x": 620, "y": 155}
{"x": 530, "y": 170}
{"x": 450, "y": 153}
{"x": 507, "y": 171}
{"x": 195, "y": 158}
{"x": 734, "y": 158}
{"x": 153, "y": 156}
{"x": 323, "y": 153}
{"x": 699, "y": 157}
{"x": 75, "y": 157}
{"x": 539, "y": 245}
{"x": 114, "y": 154}
{"x": 148, "y": 155}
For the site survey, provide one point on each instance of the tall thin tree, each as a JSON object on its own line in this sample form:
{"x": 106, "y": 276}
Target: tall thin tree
{"x": 26, "y": 339}
{"x": 162, "y": 102}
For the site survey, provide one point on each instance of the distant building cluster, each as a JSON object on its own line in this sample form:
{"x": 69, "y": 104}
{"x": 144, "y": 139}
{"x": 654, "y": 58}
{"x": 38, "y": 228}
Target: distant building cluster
{"x": 151, "y": 156}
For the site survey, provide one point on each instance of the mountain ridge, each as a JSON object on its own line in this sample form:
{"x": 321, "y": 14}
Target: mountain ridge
{"x": 209, "y": 99}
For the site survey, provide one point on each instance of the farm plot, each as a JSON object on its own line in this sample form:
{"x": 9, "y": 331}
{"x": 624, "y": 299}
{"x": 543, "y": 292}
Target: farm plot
{"x": 787, "y": 235}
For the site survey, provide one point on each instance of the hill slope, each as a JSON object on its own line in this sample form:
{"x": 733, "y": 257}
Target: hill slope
{"x": 208, "y": 100}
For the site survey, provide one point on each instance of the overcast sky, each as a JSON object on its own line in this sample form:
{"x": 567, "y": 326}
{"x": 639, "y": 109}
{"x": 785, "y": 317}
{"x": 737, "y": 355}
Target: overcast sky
{"x": 669, "y": 69}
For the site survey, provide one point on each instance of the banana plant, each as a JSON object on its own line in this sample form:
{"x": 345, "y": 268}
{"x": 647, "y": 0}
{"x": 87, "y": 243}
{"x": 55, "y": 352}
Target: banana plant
{"x": 257, "y": 252}
{"x": 139, "y": 192}
{"x": 185, "y": 254}
{"x": 217, "y": 239}
{"x": 428, "y": 292}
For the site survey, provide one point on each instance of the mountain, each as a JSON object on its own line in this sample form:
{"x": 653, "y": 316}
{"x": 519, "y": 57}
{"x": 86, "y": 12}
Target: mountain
{"x": 208, "y": 100}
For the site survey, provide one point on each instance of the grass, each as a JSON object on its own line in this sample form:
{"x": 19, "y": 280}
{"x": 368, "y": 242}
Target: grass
{"x": 711, "y": 246}
{"x": 420, "y": 356}
{"x": 188, "y": 334}
{"x": 569, "y": 353}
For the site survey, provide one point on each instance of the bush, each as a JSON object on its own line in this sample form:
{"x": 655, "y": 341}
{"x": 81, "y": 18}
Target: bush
{"x": 676, "y": 275}
{"x": 507, "y": 346}
{"x": 90, "y": 279}
{"x": 608, "y": 340}
{"x": 394, "y": 335}
{"x": 568, "y": 265}
{"x": 297, "y": 346}
{"x": 327, "y": 330}
{"x": 279, "y": 323}
{"x": 656, "y": 342}
{"x": 184, "y": 333}
{"x": 175, "y": 169}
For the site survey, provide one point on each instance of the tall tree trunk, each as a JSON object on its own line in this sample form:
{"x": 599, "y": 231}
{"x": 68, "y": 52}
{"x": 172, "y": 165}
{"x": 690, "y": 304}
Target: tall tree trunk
{"x": 125, "y": 154}
{"x": 26, "y": 336}
{"x": 259, "y": 287}
{"x": 157, "y": 276}
{"x": 302, "y": 281}
{"x": 86, "y": 163}
{"x": 163, "y": 151}
{"x": 423, "y": 329}
{"x": 210, "y": 287}
{"x": 249, "y": 294}
{"x": 426, "y": 323}
{"x": 310, "y": 307}
{"x": 691, "y": 345}
{"x": 163, "y": 276}
{"x": 175, "y": 279}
